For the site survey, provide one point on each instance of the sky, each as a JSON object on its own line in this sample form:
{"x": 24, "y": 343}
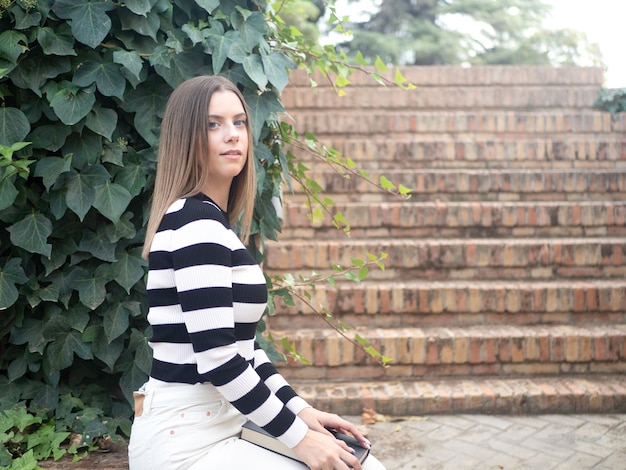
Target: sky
{"x": 603, "y": 21}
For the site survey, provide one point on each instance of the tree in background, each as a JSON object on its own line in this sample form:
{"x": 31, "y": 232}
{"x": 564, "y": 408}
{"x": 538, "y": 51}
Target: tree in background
{"x": 466, "y": 32}
{"x": 304, "y": 15}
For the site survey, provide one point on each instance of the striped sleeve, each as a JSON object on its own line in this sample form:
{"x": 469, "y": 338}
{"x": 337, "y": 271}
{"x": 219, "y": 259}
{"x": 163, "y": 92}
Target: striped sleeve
{"x": 211, "y": 288}
{"x": 276, "y": 382}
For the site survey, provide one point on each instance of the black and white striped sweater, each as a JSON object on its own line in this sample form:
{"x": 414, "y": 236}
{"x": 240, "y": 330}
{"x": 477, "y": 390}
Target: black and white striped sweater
{"x": 206, "y": 294}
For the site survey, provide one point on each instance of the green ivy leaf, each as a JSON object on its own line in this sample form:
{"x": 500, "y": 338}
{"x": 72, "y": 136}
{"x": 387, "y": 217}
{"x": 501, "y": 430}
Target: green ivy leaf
{"x": 252, "y": 27}
{"x": 58, "y": 41}
{"x": 124, "y": 228}
{"x": 130, "y": 60}
{"x": 208, "y": 5}
{"x": 17, "y": 367}
{"x": 360, "y": 59}
{"x": 237, "y": 52}
{"x": 219, "y": 45}
{"x": 139, "y": 7}
{"x": 148, "y": 103}
{"x": 98, "y": 245}
{"x": 61, "y": 249}
{"x": 116, "y": 321}
{"x": 85, "y": 148}
{"x": 253, "y": 65}
{"x": 182, "y": 66}
{"x": 261, "y": 106}
{"x": 90, "y": 23}
{"x": 12, "y": 45}
{"x": 380, "y": 65}
{"x": 50, "y": 137}
{"x": 60, "y": 352}
{"x": 26, "y": 19}
{"x": 106, "y": 76}
{"x": 31, "y": 233}
{"x": 14, "y": 126}
{"x": 111, "y": 200}
{"x": 35, "y": 71}
{"x": 112, "y": 152}
{"x": 49, "y": 293}
{"x": 10, "y": 275}
{"x": 107, "y": 352}
{"x": 129, "y": 268}
{"x": 71, "y": 103}
{"x": 31, "y": 333}
{"x": 145, "y": 25}
{"x": 132, "y": 177}
{"x": 80, "y": 194}
{"x": 8, "y": 193}
{"x": 102, "y": 121}
{"x": 90, "y": 286}
{"x": 386, "y": 184}
{"x": 138, "y": 366}
{"x": 50, "y": 168}
{"x": 195, "y": 34}
{"x": 276, "y": 66}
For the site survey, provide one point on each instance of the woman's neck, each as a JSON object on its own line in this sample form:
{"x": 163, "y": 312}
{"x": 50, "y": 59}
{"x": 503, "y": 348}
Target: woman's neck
{"x": 219, "y": 196}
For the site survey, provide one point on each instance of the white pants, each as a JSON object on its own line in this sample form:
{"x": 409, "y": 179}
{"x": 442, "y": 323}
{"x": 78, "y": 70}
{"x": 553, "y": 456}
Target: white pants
{"x": 192, "y": 427}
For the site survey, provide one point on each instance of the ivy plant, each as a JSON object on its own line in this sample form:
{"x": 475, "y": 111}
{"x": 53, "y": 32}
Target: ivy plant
{"x": 82, "y": 91}
{"x": 612, "y": 100}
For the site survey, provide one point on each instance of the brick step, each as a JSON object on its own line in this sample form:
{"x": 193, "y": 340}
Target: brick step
{"x": 450, "y": 259}
{"x": 527, "y": 395}
{"x": 443, "y": 97}
{"x": 386, "y": 125}
{"x": 375, "y": 154}
{"x": 452, "y": 219}
{"x": 388, "y": 304}
{"x": 458, "y": 351}
{"x": 470, "y": 76}
{"x": 473, "y": 184}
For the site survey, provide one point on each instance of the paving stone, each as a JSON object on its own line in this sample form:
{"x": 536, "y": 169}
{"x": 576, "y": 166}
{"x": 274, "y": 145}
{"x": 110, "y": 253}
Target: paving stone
{"x": 572, "y": 421}
{"x": 444, "y": 433}
{"x": 498, "y": 422}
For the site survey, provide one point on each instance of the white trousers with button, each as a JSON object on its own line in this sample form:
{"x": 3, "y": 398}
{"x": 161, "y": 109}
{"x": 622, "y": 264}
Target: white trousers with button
{"x": 192, "y": 427}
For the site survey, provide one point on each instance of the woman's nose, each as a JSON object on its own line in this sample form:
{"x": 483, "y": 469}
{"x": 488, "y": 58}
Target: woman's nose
{"x": 232, "y": 133}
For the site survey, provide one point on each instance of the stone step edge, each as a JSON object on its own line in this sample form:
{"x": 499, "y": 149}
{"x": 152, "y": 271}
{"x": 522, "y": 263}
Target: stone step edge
{"x": 496, "y": 171}
{"x": 470, "y": 345}
{"x": 513, "y": 97}
{"x": 476, "y": 75}
{"x": 574, "y": 257}
{"x": 402, "y": 123}
{"x": 523, "y": 395}
{"x": 421, "y": 297}
{"x": 448, "y": 242}
{"x": 420, "y": 214}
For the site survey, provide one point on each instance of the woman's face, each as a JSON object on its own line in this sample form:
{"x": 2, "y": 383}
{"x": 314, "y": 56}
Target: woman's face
{"x": 228, "y": 138}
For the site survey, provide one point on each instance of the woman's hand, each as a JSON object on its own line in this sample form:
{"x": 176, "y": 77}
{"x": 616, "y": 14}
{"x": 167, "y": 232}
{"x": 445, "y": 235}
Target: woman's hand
{"x": 321, "y": 451}
{"x": 319, "y": 421}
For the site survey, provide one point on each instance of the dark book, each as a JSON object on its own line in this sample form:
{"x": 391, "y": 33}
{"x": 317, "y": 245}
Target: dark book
{"x": 259, "y": 436}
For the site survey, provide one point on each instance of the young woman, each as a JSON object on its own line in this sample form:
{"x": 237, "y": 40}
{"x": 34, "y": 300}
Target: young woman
{"x": 206, "y": 295}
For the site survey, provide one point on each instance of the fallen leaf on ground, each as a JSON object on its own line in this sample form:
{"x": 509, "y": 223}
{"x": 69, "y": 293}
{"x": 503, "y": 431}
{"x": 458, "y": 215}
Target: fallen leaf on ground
{"x": 370, "y": 416}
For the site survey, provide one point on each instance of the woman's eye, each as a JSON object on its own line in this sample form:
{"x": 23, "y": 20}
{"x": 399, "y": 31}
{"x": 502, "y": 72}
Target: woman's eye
{"x": 213, "y": 125}
{"x": 240, "y": 122}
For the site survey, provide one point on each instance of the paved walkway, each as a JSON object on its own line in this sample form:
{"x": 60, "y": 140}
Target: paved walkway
{"x": 468, "y": 442}
{"x": 485, "y": 442}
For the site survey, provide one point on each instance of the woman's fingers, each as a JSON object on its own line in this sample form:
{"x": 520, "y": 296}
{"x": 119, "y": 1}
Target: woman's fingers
{"x": 316, "y": 452}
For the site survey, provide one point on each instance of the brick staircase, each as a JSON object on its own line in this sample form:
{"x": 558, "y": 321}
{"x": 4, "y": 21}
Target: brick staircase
{"x": 505, "y": 287}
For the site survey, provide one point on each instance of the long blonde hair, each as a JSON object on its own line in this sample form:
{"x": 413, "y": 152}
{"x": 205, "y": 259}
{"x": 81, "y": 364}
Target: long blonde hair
{"x": 182, "y": 163}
